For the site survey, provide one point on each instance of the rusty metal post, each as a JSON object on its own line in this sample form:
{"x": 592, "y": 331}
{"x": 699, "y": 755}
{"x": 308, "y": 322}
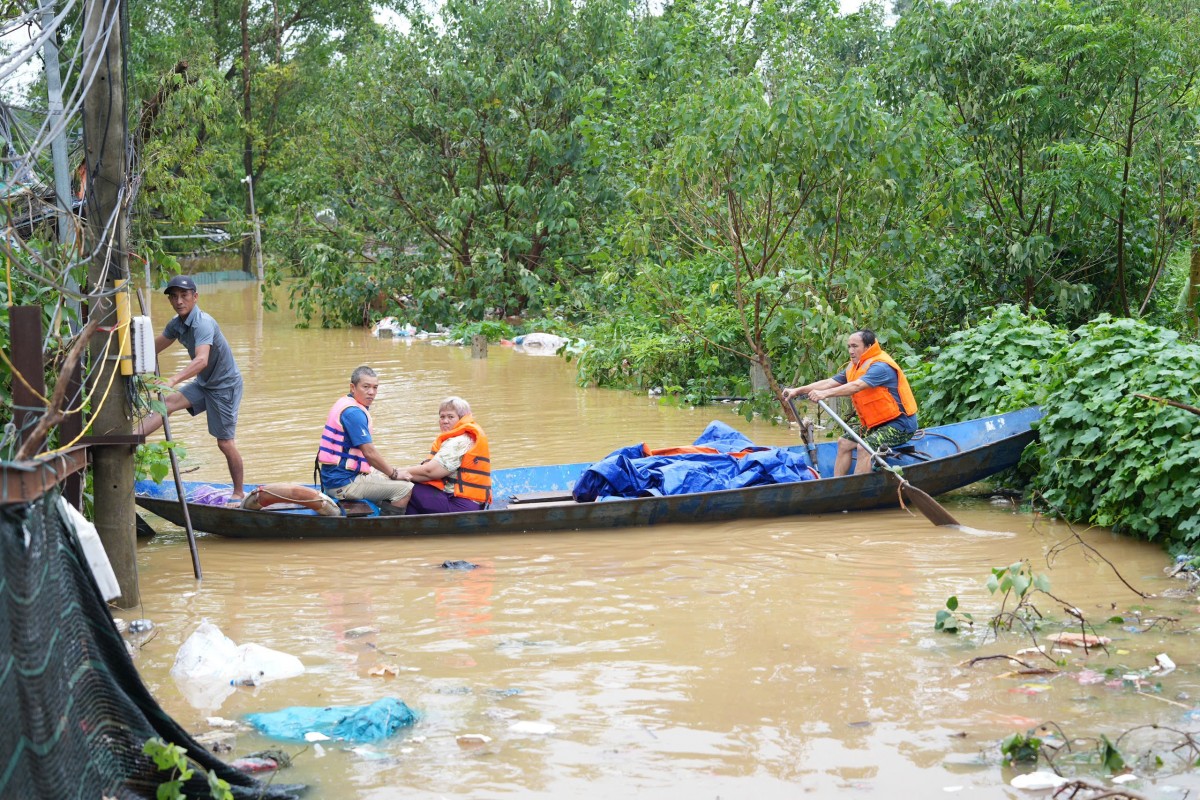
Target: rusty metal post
{"x": 29, "y": 378}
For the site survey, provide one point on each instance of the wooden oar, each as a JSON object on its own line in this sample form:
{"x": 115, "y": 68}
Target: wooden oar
{"x": 932, "y": 509}
{"x": 806, "y": 435}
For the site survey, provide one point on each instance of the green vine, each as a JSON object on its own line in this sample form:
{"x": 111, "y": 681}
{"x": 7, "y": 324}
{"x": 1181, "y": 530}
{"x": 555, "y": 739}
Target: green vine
{"x": 173, "y": 759}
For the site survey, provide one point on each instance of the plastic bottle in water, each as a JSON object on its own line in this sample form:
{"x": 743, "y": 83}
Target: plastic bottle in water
{"x": 244, "y": 681}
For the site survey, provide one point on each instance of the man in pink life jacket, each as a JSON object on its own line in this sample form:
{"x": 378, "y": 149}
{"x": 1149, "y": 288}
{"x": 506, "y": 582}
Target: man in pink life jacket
{"x": 351, "y": 467}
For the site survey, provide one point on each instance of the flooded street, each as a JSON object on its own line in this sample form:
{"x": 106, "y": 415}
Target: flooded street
{"x": 765, "y": 659}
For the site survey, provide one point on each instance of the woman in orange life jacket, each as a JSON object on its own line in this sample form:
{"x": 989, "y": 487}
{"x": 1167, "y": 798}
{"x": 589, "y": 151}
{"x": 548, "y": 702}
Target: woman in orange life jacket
{"x": 874, "y": 382}
{"x": 457, "y": 476}
{"x": 351, "y": 467}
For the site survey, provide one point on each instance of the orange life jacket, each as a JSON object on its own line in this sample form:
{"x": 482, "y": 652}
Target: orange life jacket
{"x": 334, "y": 447}
{"x": 875, "y": 404}
{"x": 687, "y": 449}
{"x": 473, "y": 480}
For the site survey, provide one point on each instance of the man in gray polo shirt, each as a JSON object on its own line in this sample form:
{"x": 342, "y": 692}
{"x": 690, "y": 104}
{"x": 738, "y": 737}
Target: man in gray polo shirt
{"x": 217, "y": 388}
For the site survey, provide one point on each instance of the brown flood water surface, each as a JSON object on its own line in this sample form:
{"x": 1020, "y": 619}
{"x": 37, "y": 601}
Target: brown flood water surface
{"x": 764, "y": 659}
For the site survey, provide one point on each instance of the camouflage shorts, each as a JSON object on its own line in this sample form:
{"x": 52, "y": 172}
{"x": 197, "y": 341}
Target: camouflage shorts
{"x": 883, "y": 436}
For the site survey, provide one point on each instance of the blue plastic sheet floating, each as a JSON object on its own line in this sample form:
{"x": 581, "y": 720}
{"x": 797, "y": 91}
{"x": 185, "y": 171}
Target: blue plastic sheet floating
{"x": 379, "y": 720}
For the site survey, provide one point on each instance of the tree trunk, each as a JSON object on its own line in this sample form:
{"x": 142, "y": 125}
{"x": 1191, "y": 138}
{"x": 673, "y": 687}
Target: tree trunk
{"x": 1193, "y": 287}
{"x": 247, "y": 127}
{"x": 216, "y": 26}
{"x": 1133, "y": 112}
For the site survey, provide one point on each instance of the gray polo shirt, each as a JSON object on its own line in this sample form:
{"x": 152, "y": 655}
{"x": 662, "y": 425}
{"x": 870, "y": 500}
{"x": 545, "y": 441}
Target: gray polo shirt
{"x": 200, "y": 329}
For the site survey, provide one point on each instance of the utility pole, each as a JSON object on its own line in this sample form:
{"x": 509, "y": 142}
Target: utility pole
{"x": 58, "y": 145}
{"x": 106, "y": 139}
{"x": 249, "y": 181}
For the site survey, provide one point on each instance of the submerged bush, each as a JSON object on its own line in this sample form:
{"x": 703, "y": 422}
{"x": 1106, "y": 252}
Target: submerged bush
{"x": 1104, "y": 456}
{"x": 1114, "y": 459}
{"x": 996, "y": 366}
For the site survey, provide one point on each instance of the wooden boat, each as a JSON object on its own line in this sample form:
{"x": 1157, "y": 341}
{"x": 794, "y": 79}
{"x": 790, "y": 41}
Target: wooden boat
{"x": 538, "y": 498}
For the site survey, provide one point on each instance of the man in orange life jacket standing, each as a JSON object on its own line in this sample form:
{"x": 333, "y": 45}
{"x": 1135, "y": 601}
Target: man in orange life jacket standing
{"x": 352, "y": 468}
{"x": 874, "y": 382}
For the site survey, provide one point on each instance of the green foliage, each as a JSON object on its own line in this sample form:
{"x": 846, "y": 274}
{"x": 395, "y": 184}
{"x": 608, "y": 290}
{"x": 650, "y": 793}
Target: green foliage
{"x": 31, "y": 278}
{"x": 1017, "y": 579}
{"x": 153, "y": 460}
{"x": 173, "y": 759}
{"x": 459, "y": 151}
{"x": 1113, "y": 761}
{"x": 1016, "y": 584}
{"x": 949, "y": 619}
{"x": 768, "y": 207}
{"x": 1021, "y": 749}
{"x": 1114, "y": 459}
{"x": 1067, "y": 146}
{"x": 998, "y": 365}
{"x": 645, "y": 353}
{"x": 494, "y": 331}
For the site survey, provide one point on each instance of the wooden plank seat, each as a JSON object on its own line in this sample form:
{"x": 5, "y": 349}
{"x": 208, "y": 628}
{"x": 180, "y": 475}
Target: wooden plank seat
{"x": 356, "y": 508}
{"x": 540, "y": 497}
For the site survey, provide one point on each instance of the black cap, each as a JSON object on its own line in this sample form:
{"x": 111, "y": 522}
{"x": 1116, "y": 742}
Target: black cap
{"x": 180, "y": 282}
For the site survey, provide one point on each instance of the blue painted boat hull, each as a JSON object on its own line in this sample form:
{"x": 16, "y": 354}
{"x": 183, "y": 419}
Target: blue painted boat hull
{"x": 952, "y": 456}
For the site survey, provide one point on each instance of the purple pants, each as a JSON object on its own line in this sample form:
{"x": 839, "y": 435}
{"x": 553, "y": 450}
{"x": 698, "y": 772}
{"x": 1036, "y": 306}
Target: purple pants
{"x": 425, "y": 499}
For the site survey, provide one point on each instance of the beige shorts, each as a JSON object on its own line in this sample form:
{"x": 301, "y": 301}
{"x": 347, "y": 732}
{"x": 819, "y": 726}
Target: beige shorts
{"x": 374, "y": 486}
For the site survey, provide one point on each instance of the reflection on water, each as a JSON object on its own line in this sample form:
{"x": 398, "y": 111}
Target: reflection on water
{"x": 766, "y": 658}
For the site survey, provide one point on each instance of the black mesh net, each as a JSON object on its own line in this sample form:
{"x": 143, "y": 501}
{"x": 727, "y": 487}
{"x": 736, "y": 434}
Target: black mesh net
{"x": 75, "y": 714}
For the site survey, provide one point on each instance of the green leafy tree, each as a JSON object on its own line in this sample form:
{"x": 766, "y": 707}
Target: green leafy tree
{"x": 1072, "y": 144}
{"x": 459, "y": 143}
{"x": 785, "y": 198}
{"x": 220, "y": 89}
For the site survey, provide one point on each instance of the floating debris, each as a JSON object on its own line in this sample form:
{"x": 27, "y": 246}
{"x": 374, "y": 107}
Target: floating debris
{"x": 384, "y": 671}
{"x": 1037, "y": 781}
{"x": 472, "y": 739}
{"x": 362, "y": 630}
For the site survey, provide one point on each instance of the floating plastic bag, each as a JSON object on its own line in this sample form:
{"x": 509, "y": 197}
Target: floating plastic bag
{"x": 209, "y": 664}
{"x": 210, "y": 495}
{"x": 206, "y": 655}
{"x": 379, "y": 720}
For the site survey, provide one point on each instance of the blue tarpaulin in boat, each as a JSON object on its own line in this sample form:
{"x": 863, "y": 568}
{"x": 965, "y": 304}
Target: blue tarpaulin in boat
{"x": 370, "y": 723}
{"x": 629, "y": 472}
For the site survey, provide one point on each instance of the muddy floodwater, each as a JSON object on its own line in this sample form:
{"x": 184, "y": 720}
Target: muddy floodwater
{"x": 760, "y": 659}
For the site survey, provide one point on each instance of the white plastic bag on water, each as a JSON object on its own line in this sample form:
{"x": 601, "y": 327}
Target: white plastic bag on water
{"x": 209, "y": 665}
{"x": 207, "y": 655}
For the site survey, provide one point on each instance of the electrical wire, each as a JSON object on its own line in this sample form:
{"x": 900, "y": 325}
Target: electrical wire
{"x": 28, "y": 135}
{"x": 116, "y": 368}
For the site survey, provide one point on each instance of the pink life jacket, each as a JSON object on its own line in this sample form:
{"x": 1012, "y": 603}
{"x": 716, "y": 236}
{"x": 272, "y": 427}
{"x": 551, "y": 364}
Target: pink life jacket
{"x": 334, "y": 448}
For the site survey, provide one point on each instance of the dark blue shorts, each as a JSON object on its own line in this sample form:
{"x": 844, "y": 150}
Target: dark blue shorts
{"x": 221, "y": 406}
